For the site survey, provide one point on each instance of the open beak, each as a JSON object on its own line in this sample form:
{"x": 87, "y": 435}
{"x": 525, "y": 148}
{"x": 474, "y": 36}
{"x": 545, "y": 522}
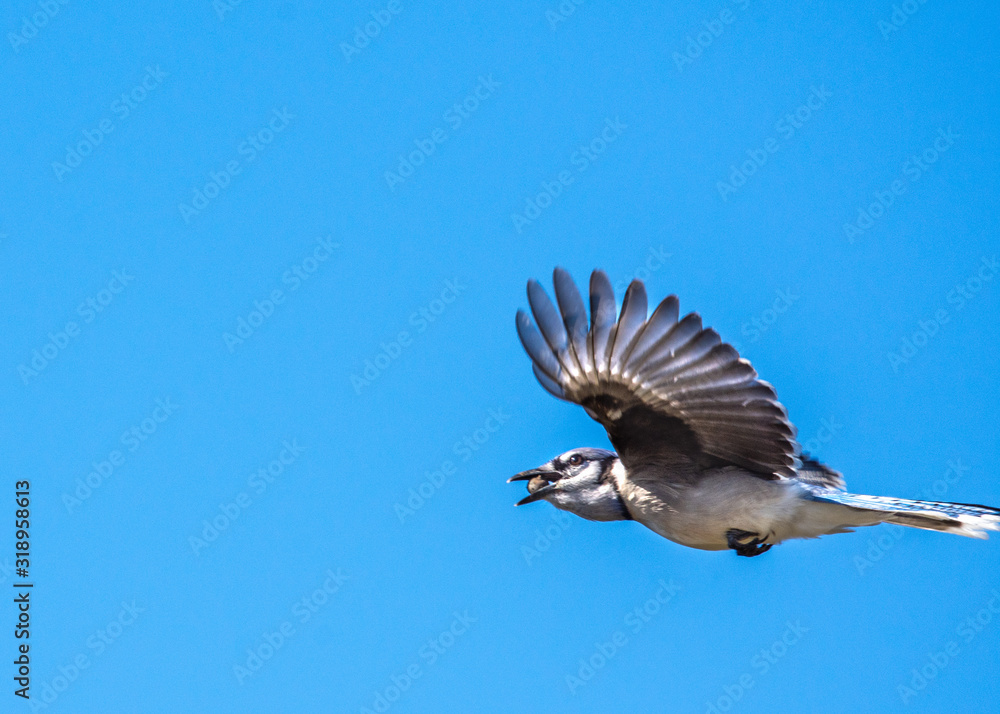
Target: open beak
{"x": 541, "y": 482}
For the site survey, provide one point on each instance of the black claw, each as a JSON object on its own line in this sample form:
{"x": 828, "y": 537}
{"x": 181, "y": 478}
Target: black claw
{"x": 746, "y": 543}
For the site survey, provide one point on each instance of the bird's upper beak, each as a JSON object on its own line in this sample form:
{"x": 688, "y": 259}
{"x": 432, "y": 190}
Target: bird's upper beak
{"x": 541, "y": 482}
{"x": 541, "y": 471}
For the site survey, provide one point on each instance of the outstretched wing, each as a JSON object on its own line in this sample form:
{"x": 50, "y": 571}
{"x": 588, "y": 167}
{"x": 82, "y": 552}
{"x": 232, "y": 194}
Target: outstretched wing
{"x": 661, "y": 385}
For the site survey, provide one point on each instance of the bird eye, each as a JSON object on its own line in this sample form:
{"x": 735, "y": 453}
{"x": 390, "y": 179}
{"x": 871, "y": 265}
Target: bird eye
{"x": 575, "y": 460}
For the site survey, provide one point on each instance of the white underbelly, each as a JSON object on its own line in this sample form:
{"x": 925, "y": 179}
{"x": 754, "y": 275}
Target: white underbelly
{"x": 699, "y": 516}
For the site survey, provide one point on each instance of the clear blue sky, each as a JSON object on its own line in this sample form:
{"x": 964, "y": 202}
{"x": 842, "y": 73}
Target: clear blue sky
{"x": 291, "y": 239}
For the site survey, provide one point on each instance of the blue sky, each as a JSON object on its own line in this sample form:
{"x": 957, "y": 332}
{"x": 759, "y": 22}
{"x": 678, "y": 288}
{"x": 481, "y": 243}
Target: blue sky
{"x": 261, "y": 268}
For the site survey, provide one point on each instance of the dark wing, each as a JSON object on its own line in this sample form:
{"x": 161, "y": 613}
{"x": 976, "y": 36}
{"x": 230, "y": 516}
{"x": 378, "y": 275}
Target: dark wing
{"x": 660, "y": 385}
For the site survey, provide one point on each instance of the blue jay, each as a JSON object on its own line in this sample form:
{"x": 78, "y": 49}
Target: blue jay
{"x": 706, "y": 455}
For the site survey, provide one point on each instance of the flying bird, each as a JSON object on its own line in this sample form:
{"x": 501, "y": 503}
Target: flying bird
{"x": 706, "y": 455}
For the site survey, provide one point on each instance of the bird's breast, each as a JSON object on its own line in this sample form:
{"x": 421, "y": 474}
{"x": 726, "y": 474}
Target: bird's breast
{"x": 698, "y": 512}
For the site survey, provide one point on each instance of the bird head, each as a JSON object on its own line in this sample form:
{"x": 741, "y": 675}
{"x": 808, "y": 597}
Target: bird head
{"x": 579, "y": 481}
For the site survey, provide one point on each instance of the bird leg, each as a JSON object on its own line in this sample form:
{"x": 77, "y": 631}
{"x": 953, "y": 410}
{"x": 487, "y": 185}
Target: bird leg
{"x": 746, "y": 543}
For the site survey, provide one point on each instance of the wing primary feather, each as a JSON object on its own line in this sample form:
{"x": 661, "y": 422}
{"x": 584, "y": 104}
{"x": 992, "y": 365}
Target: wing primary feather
{"x": 631, "y": 321}
{"x": 747, "y": 394}
{"x": 690, "y": 355}
{"x": 657, "y": 326}
{"x": 548, "y": 320}
{"x": 761, "y": 410}
{"x": 551, "y": 387}
{"x": 602, "y": 320}
{"x": 729, "y": 377}
{"x": 678, "y": 336}
{"x": 574, "y": 315}
{"x": 536, "y": 347}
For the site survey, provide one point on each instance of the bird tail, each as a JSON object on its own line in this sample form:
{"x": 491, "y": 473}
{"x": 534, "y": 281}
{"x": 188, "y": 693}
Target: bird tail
{"x": 963, "y": 519}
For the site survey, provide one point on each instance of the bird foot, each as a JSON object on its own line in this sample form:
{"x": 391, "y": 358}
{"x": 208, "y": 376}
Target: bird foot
{"x": 746, "y": 543}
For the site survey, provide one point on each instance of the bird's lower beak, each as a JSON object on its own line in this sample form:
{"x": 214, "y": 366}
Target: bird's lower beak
{"x": 538, "y": 489}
